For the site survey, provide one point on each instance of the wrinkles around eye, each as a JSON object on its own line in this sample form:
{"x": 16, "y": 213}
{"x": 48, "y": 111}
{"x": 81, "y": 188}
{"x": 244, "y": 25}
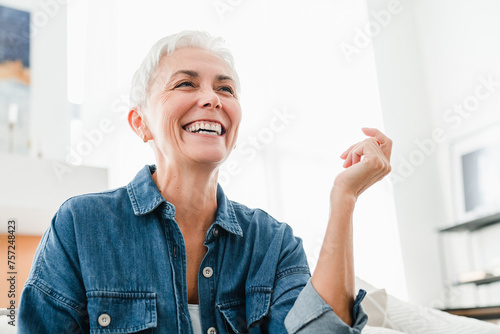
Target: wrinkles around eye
{"x": 184, "y": 84}
{"x": 227, "y": 89}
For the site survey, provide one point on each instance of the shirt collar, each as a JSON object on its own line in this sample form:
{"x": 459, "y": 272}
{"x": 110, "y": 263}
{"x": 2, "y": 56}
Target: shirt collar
{"x": 144, "y": 193}
{"x": 226, "y": 217}
{"x": 145, "y": 198}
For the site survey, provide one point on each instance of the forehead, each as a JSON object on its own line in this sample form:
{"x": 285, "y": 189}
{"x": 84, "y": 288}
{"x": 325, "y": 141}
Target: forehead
{"x": 191, "y": 58}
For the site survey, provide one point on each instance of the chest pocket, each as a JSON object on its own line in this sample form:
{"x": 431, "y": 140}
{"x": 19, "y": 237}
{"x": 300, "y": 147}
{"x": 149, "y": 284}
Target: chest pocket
{"x": 121, "y": 312}
{"x": 242, "y": 314}
{"x": 234, "y": 313}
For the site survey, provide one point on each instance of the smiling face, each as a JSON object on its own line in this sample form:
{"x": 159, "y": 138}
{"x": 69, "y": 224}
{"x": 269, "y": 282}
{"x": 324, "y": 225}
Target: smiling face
{"x": 193, "y": 113}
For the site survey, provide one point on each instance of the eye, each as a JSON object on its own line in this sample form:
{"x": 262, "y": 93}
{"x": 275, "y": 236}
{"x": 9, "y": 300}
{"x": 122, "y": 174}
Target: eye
{"x": 227, "y": 89}
{"x": 184, "y": 84}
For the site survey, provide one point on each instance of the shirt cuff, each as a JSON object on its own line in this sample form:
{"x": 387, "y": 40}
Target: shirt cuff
{"x": 311, "y": 314}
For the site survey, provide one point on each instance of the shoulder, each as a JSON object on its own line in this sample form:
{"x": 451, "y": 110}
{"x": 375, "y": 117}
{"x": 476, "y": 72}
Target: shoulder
{"x": 272, "y": 243}
{"x": 111, "y": 196}
{"x": 96, "y": 201}
{"x": 256, "y": 222}
{"x": 254, "y": 215}
{"x": 83, "y": 212}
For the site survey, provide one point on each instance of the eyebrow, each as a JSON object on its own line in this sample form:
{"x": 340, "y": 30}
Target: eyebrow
{"x": 221, "y": 77}
{"x": 194, "y": 74}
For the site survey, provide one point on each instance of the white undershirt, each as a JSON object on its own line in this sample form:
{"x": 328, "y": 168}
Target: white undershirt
{"x": 194, "y": 312}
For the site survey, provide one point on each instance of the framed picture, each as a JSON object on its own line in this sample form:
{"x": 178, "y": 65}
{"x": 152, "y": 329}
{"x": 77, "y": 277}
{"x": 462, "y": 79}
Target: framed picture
{"x": 476, "y": 174}
{"x": 14, "y": 80}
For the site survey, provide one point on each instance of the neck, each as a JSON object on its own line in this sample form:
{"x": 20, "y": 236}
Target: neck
{"x": 193, "y": 192}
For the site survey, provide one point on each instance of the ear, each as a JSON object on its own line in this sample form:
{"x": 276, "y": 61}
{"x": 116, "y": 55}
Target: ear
{"x": 138, "y": 125}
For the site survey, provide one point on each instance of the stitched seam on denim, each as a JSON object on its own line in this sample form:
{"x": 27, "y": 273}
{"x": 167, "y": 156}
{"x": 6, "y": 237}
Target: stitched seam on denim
{"x": 44, "y": 288}
{"x": 291, "y": 271}
{"x": 132, "y": 196}
{"x": 258, "y": 289}
{"x": 237, "y": 229}
{"x": 121, "y": 294}
{"x": 231, "y": 303}
{"x": 146, "y": 298}
{"x": 113, "y": 330}
{"x": 263, "y": 290}
{"x": 92, "y": 194}
{"x": 38, "y": 265}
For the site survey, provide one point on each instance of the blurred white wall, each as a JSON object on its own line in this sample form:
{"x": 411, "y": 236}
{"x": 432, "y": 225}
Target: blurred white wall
{"x": 49, "y": 104}
{"x": 429, "y": 61}
{"x": 33, "y": 186}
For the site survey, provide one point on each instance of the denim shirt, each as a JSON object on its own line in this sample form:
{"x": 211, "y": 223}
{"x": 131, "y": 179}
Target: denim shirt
{"x": 115, "y": 262}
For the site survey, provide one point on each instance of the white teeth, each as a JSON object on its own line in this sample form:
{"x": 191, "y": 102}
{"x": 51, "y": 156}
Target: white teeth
{"x": 208, "y": 132}
{"x": 199, "y": 127}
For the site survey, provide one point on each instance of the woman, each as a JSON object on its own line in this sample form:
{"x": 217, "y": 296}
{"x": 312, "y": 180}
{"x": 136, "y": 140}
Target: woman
{"x": 169, "y": 253}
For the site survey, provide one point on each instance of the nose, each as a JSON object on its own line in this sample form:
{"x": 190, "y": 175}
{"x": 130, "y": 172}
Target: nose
{"x": 210, "y": 100}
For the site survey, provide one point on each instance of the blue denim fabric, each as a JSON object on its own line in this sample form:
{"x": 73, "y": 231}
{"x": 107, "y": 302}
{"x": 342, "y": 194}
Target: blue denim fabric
{"x": 115, "y": 262}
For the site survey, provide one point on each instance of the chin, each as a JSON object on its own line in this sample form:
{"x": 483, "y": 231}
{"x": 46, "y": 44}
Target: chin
{"x": 210, "y": 156}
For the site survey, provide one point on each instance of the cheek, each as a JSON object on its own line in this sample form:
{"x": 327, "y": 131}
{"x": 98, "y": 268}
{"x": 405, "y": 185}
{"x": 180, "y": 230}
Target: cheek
{"x": 234, "y": 113}
{"x": 168, "y": 111}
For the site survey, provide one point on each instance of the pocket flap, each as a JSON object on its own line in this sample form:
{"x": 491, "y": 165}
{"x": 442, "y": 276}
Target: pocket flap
{"x": 121, "y": 312}
{"x": 234, "y": 313}
{"x": 258, "y": 301}
{"x": 243, "y": 314}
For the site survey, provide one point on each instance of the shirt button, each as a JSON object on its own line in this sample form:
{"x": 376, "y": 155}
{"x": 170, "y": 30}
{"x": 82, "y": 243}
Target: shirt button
{"x": 215, "y": 232}
{"x": 208, "y": 272}
{"x": 104, "y": 320}
{"x": 212, "y": 330}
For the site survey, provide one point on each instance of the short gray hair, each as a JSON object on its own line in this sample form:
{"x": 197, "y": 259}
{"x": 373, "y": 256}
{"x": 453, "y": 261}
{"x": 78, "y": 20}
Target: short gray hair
{"x": 187, "y": 38}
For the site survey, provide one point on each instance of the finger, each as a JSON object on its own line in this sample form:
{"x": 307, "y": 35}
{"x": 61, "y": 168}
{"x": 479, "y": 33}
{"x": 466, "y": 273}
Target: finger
{"x": 354, "y": 155}
{"x": 344, "y": 155}
{"x": 367, "y": 146}
{"x": 384, "y": 141}
{"x": 377, "y": 134}
{"x": 348, "y": 160}
{"x": 346, "y": 152}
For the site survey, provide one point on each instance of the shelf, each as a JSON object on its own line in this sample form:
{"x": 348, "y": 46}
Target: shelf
{"x": 481, "y": 313}
{"x": 473, "y": 225}
{"x": 487, "y": 280}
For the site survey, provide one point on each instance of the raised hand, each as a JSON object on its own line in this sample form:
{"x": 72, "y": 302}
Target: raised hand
{"x": 366, "y": 163}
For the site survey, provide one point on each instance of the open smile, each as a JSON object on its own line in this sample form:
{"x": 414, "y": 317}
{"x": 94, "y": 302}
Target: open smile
{"x": 205, "y": 127}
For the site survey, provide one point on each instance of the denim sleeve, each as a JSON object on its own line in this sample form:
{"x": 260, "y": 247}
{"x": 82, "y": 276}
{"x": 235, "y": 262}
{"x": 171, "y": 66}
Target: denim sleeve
{"x": 311, "y": 314}
{"x": 296, "y": 307}
{"x": 53, "y": 298}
